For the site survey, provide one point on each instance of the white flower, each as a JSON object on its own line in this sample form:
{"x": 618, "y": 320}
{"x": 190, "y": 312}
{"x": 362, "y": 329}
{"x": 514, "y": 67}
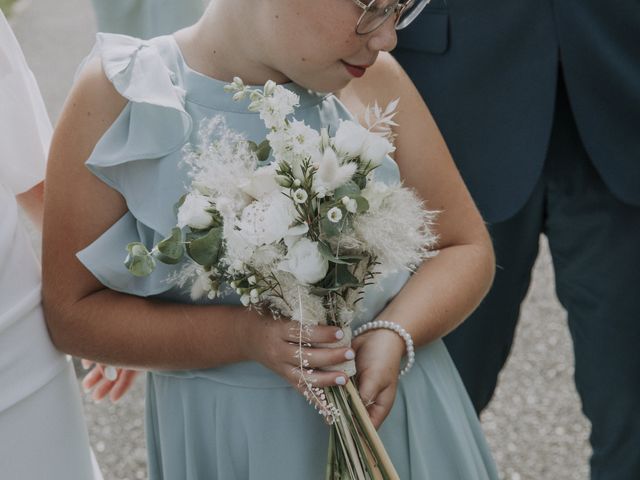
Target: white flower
{"x": 238, "y": 251}
{"x": 350, "y": 204}
{"x": 305, "y": 262}
{"x": 321, "y": 191}
{"x": 275, "y": 108}
{"x": 261, "y": 183}
{"x": 300, "y": 195}
{"x": 245, "y": 300}
{"x": 237, "y": 266}
{"x": 201, "y": 285}
{"x": 396, "y": 228}
{"x": 331, "y": 174}
{"x": 350, "y": 138}
{"x": 375, "y": 149}
{"x": 295, "y": 233}
{"x": 334, "y": 215}
{"x": 269, "y": 87}
{"x": 266, "y": 221}
{"x": 193, "y": 212}
{"x": 252, "y": 280}
{"x": 304, "y": 140}
{"x": 375, "y": 192}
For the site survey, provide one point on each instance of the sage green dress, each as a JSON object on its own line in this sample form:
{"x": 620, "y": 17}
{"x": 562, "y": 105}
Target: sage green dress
{"x": 146, "y": 18}
{"x": 242, "y": 421}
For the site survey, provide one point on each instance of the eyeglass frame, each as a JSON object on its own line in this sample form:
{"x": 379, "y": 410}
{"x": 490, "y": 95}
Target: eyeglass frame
{"x": 398, "y": 9}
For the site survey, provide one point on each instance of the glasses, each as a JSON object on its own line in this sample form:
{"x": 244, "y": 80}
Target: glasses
{"x": 377, "y": 12}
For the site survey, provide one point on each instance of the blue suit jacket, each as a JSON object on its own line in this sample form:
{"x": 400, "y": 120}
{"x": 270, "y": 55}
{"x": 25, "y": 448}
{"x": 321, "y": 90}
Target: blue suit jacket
{"x": 488, "y": 71}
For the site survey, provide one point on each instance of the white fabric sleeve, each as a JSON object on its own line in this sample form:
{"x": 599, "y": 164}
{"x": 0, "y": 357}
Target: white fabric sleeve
{"x": 25, "y": 129}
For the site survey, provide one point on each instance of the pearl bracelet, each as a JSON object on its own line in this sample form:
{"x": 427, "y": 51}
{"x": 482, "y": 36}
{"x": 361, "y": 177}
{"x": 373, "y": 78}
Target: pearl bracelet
{"x": 376, "y": 324}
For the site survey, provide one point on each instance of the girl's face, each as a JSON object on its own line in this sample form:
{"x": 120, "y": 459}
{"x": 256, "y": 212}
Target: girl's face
{"x": 314, "y": 43}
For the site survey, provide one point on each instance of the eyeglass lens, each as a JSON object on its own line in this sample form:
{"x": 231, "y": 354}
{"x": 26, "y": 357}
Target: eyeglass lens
{"x": 379, "y": 11}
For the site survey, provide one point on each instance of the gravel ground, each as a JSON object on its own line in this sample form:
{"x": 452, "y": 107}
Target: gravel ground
{"x": 534, "y": 423}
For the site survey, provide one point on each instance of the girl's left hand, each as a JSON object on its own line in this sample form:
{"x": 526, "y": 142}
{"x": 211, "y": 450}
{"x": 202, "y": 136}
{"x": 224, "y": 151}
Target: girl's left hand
{"x": 378, "y": 356}
{"x": 102, "y": 385}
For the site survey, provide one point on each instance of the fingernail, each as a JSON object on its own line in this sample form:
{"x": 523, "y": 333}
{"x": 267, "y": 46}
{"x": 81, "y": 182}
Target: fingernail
{"x": 349, "y": 355}
{"x": 339, "y": 334}
{"x": 110, "y": 373}
{"x": 341, "y": 381}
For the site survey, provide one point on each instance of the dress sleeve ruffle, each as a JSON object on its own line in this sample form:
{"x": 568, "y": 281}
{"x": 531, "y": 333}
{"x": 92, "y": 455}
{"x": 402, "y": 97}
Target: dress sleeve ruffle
{"x": 134, "y": 156}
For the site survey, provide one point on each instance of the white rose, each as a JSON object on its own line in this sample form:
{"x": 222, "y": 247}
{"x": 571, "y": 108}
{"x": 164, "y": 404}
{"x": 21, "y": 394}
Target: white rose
{"x": 261, "y": 183}
{"x": 267, "y": 221}
{"x": 350, "y": 138}
{"x": 193, "y": 212}
{"x": 374, "y": 150}
{"x": 305, "y": 262}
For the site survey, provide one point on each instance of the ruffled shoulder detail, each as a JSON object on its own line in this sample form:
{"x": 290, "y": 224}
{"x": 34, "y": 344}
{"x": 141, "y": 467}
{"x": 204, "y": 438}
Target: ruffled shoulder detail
{"x": 139, "y": 155}
{"x": 139, "y": 73}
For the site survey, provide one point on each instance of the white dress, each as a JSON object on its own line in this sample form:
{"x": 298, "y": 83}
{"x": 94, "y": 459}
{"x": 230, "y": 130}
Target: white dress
{"x": 42, "y": 430}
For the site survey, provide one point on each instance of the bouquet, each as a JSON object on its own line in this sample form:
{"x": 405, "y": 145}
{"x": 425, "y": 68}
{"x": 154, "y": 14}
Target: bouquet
{"x": 300, "y": 237}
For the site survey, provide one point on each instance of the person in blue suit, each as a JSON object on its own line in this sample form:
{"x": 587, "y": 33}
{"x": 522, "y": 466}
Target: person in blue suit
{"x": 146, "y": 18}
{"x": 539, "y": 102}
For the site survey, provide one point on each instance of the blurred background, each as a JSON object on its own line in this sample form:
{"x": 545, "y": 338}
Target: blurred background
{"x": 534, "y": 423}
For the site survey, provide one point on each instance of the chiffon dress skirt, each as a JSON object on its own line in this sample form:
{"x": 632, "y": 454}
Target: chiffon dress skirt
{"x": 242, "y": 421}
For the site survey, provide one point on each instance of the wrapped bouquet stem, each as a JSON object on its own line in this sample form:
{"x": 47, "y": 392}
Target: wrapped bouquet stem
{"x": 300, "y": 237}
{"x": 355, "y": 449}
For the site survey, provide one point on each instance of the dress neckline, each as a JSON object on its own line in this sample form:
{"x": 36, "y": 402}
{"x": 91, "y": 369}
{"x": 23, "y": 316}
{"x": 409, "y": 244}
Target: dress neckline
{"x": 209, "y": 91}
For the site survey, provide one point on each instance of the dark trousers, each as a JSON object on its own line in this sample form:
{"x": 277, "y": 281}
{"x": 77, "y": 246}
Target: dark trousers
{"x": 595, "y": 245}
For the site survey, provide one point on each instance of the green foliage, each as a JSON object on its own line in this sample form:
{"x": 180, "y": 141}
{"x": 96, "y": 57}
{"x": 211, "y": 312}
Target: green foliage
{"x": 139, "y": 260}
{"x": 349, "y": 189}
{"x": 171, "y": 249}
{"x": 205, "y": 249}
{"x": 325, "y": 251}
{"x": 5, "y": 6}
{"x": 262, "y": 150}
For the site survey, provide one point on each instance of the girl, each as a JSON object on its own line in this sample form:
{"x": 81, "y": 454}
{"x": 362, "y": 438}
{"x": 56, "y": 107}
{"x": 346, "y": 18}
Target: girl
{"x": 221, "y": 395}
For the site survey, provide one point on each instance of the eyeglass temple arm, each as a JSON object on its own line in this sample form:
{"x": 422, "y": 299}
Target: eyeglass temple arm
{"x": 362, "y": 5}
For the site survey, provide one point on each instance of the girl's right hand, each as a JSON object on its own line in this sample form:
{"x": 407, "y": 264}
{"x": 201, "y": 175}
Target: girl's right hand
{"x": 98, "y": 383}
{"x": 276, "y": 344}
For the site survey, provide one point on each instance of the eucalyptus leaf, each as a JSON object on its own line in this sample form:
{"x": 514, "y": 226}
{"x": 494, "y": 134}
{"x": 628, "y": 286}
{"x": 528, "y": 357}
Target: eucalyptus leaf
{"x": 178, "y": 204}
{"x": 330, "y": 229}
{"x": 139, "y": 260}
{"x": 363, "y": 204}
{"x": 205, "y": 249}
{"x": 360, "y": 181}
{"x": 344, "y": 278}
{"x": 349, "y": 189}
{"x": 325, "y": 251}
{"x": 263, "y": 151}
{"x": 171, "y": 249}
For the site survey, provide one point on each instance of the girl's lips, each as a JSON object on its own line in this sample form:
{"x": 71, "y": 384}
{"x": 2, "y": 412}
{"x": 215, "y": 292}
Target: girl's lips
{"x": 355, "y": 70}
